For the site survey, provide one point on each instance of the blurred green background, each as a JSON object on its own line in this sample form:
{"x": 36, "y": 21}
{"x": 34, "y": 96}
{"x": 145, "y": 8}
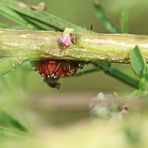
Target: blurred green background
{"x": 24, "y": 94}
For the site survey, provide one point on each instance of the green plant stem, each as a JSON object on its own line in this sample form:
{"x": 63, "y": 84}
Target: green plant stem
{"x": 123, "y": 77}
{"x": 124, "y": 21}
{"x": 106, "y": 22}
{"x": 8, "y": 118}
{"x": 119, "y": 75}
{"x": 30, "y": 45}
{"x": 86, "y": 72}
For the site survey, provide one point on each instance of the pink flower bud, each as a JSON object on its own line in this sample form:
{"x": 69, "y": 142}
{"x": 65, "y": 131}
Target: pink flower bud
{"x": 65, "y": 40}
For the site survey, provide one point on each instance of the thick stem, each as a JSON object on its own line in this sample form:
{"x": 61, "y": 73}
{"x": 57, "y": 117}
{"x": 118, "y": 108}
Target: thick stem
{"x": 29, "y": 45}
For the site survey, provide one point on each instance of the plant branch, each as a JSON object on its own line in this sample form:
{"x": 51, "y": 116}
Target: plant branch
{"x": 30, "y": 45}
{"x": 118, "y": 75}
{"x": 123, "y": 77}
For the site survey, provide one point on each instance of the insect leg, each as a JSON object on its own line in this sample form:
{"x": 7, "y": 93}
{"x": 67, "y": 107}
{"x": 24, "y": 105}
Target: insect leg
{"x": 48, "y": 71}
{"x": 55, "y": 70}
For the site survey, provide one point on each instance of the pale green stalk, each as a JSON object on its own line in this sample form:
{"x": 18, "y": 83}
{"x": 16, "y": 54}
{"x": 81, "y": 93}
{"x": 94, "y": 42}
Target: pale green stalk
{"x": 29, "y": 45}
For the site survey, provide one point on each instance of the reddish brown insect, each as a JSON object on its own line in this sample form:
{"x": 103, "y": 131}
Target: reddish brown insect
{"x": 52, "y": 70}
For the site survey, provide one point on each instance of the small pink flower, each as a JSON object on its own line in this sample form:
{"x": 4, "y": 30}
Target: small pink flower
{"x": 65, "y": 40}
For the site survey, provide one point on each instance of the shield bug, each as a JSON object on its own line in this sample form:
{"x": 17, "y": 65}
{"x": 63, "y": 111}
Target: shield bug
{"x": 52, "y": 70}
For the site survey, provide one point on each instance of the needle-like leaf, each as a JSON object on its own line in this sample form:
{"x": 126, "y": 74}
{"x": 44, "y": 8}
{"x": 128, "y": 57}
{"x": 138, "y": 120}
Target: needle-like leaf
{"x": 138, "y": 63}
{"x": 44, "y": 18}
{"x": 106, "y": 22}
{"x": 124, "y": 21}
{"x": 12, "y": 15}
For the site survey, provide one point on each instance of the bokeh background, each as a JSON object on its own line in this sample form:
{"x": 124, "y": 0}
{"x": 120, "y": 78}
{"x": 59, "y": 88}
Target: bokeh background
{"x": 76, "y": 92}
{"x": 27, "y": 97}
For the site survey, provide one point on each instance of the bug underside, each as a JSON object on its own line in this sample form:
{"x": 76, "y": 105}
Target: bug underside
{"x": 52, "y": 70}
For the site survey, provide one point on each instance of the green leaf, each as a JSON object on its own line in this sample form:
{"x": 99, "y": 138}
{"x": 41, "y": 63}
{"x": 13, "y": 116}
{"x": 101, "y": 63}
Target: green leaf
{"x": 106, "y": 66}
{"x": 12, "y": 15}
{"x": 124, "y": 21}
{"x": 42, "y": 19}
{"x": 138, "y": 63}
{"x": 7, "y": 119}
{"x": 106, "y": 22}
{"x": 39, "y": 25}
{"x": 143, "y": 85}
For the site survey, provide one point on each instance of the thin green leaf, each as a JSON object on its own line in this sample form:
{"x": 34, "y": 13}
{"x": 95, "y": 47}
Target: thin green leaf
{"x": 7, "y": 119}
{"x": 39, "y": 25}
{"x": 106, "y": 22}
{"x": 43, "y": 17}
{"x": 12, "y": 15}
{"x": 138, "y": 63}
{"x": 145, "y": 73}
{"x": 8, "y": 132}
{"x": 124, "y": 21}
{"x": 123, "y": 77}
